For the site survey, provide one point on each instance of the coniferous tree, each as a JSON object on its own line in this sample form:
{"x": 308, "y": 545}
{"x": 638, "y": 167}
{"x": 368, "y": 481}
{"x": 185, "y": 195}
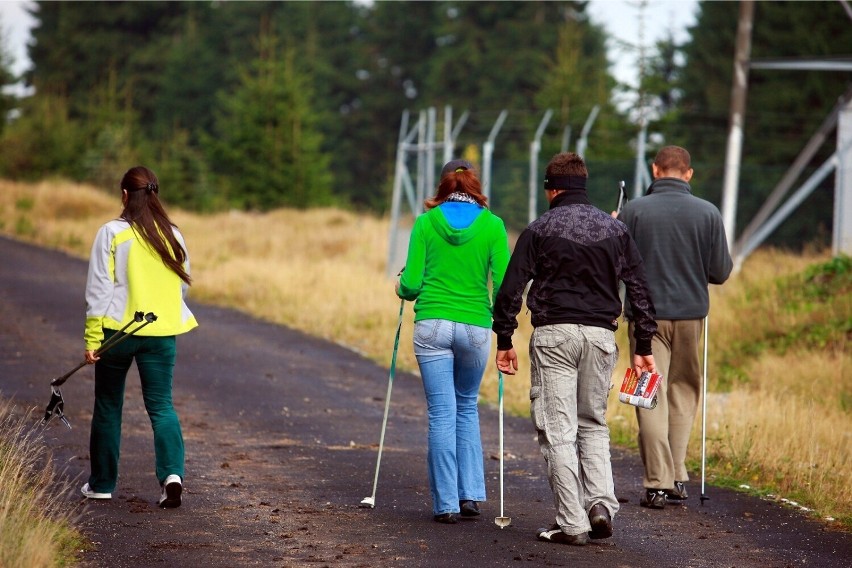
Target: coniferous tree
{"x": 784, "y": 108}
{"x": 266, "y": 147}
{"x": 165, "y": 81}
{"x": 660, "y": 82}
{"x": 398, "y": 40}
{"x": 578, "y": 87}
{"x": 191, "y": 72}
{"x": 76, "y": 45}
{"x": 48, "y": 142}
{"x": 328, "y": 39}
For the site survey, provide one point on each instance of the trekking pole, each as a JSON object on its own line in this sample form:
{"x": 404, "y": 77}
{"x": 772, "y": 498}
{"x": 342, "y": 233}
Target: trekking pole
{"x": 622, "y": 198}
{"x": 501, "y": 521}
{"x": 56, "y": 406}
{"x": 371, "y": 501}
{"x": 704, "y": 497}
{"x": 137, "y": 317}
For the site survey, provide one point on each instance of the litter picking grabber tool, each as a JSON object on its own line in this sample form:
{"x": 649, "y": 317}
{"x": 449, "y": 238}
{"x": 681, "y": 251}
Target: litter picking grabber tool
{"x": 56, "y": 406}
{"x": 704, "y": 497}
{"x": 501, "y": 521}
{"x": 371, "y": 501}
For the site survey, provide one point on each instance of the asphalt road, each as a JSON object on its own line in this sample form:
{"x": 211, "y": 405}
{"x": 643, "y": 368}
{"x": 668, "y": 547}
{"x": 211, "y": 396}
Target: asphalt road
{"x": 281, "y": 432}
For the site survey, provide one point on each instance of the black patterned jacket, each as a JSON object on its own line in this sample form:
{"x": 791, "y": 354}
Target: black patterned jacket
{"x": 575, "y": 254}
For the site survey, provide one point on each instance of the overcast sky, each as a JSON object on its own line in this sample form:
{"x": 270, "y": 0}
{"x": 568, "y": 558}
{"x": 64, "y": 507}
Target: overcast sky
{"x": 620, "y": 17}
{"x": 16, "y": 31}
{"x": 627, "y": 23}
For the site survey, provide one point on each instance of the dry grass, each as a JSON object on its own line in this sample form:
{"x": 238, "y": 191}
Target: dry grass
{"x": 321, "y": 271}
{"x": 35, "y": 530}
{"x": 779, "y": 425}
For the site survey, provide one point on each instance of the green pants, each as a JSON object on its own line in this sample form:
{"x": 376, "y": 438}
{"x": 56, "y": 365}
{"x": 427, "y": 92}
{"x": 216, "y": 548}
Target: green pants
{"x": 155, "y": 359}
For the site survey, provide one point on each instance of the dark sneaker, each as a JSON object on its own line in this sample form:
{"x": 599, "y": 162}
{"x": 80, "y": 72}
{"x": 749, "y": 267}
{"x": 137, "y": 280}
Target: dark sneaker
{"x": 601, "y": 522}
{"x": 555, "y": 534}
{"x": 469, "y": 508}
{"x": 446, "y": 518}
{"x": 678, "y": 493}
{"x": 653, "y": 499}
{"x": 172, "y": 489}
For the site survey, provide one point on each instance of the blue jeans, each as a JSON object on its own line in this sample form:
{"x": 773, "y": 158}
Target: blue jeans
{"x": 452, "y": 358}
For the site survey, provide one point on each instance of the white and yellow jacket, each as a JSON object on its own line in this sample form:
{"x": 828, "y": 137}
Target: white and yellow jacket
{"x": 126, "y": 276}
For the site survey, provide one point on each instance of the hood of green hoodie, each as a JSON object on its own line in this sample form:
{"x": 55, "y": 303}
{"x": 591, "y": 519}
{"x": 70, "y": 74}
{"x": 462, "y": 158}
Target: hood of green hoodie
{"x": 452, "y": 235}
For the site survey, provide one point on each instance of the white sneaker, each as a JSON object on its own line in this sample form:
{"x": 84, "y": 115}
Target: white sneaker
{"x": 87, "y": 491}
{"x": 172, "y": 488}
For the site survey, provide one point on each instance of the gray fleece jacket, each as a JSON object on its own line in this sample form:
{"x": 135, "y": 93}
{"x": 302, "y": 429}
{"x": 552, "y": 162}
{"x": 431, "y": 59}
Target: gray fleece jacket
{"x": 682, "y": 242}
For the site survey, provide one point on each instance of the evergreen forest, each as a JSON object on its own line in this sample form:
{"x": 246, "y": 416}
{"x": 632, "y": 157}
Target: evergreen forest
{"x": 261, "y": 105}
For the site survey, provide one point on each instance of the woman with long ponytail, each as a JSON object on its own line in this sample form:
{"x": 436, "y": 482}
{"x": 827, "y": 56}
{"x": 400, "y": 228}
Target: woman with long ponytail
{"x": 139, "y": 263}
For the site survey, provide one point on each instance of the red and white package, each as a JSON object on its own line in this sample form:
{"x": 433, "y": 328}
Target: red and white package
{"x": 640, "y": 390}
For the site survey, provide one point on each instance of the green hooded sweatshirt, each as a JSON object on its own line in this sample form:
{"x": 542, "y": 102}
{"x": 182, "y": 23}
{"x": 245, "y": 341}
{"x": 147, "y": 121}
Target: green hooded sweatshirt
{"x": 447, "y": 268}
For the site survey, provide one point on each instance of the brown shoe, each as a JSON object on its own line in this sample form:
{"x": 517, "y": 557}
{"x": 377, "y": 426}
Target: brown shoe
{"x": 446, "y": 518}
{"x": 601, "y": 522}
{"x": 555, "y": 534}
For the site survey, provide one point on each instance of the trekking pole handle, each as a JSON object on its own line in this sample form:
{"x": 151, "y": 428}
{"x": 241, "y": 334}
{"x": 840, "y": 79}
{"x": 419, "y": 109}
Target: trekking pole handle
{"x": 137, "y": 318}
{"x": 149, "y": 318}
{"x": 622, "y": 197}
{"x": 110, "y": 343}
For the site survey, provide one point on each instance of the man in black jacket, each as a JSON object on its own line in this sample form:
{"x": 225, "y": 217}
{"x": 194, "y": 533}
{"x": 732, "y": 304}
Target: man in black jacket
{"x": 575, "y": 254}
{"x": 683, "y": 244}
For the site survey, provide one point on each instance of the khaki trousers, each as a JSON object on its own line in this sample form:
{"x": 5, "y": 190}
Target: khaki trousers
{"x": 571, "y": 371}
{"x": 664, "y": 431}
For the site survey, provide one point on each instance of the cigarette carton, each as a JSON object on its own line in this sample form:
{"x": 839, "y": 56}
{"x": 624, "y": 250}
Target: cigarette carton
{"x": 640, "y": 390}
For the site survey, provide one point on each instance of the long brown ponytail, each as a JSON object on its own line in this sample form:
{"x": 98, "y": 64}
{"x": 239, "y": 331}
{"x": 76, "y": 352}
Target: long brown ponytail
{"x": 146, "y": 214}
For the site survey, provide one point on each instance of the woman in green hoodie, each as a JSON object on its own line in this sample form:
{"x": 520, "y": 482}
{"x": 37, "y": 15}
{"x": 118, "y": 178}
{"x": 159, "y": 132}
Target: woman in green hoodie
{"x": 454, "y": 247}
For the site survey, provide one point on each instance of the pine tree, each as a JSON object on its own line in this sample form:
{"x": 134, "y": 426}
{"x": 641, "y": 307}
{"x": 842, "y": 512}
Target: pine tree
{"x": 266, "y": 147}
{"x": 784, "y": 108}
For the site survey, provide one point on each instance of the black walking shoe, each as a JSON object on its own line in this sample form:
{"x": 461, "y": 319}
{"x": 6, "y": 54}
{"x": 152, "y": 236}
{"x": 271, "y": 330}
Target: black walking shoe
{"x": 555, "y": 534}
{"x": 601, "y": 522}
{"x": 653, "y": 499}
{"x": 172, "y": 489}
{"x": 678, "y": 493}
{"x": 446, "y": 518}
{"x": 469, "y": 508}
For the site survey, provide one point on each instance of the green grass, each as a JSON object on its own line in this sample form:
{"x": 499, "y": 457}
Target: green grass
{"x": 817, "y": 304}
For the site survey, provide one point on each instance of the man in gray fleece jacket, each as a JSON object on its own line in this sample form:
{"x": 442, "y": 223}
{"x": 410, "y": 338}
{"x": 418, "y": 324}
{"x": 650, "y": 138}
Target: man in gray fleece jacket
{"x": 682, "y": 242}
